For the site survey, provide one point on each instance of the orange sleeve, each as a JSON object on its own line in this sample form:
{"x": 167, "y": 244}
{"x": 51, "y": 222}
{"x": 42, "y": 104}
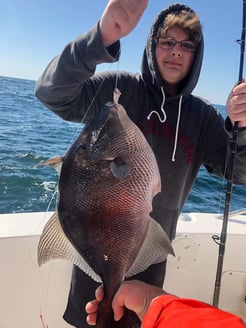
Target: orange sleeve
{"x": 169, "y": 311}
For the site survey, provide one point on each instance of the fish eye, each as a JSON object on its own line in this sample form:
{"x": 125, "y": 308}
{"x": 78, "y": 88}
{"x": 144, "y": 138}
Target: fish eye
{"x": 119, "y": 168}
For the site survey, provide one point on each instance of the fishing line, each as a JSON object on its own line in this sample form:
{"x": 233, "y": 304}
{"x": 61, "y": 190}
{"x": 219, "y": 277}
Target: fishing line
{"x": 81, "y": 123}
{"x": 233, "y": 147}
{"x": 223, "y": 189}
{"x": 94, "y": 97}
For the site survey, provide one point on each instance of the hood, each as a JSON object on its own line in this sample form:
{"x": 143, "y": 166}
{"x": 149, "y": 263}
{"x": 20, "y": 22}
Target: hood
{"x": 150, "y": 70}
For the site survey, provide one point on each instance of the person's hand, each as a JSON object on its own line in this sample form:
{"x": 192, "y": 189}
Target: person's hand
{"x": 119, "y": 18}
{"x": 133, "y": 295}
{"x": 236, "y": 105}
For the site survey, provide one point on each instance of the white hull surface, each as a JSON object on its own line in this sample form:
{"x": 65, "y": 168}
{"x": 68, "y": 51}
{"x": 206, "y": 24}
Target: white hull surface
{"x": 33, "y": 297}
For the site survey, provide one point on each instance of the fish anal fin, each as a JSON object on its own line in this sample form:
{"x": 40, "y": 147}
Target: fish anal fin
{"x": 155, "y": 249}
{"x": 54, "y": 244}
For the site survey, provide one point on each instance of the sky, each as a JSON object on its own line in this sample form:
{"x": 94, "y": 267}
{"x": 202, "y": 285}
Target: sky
{"x": 32, "y": 32}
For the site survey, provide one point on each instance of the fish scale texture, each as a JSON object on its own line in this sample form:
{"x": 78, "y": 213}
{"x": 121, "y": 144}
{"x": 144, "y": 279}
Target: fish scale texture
{"x": 108, "y": 179}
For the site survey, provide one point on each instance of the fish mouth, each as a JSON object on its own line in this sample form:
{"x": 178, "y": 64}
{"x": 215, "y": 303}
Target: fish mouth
{"x": 99, "y": 134}
{"x": 108, "y": 116}
{"x": 98, "y": 131}
{"x": 116, "y": 109}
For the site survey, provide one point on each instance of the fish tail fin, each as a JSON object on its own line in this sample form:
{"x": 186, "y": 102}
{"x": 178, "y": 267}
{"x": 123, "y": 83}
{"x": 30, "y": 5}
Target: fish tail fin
{"x": 130, "y": 319}
{"x": 105, "y": 316}
{"x": 106, "y": 320}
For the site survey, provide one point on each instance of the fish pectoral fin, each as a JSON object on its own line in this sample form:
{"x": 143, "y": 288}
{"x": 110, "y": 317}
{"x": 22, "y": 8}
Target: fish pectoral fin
{"x": 55, "y": 162}
{"x": 54, "y": 244}
{"x": 155, "y": 249}
{"x": 119, "y": 168}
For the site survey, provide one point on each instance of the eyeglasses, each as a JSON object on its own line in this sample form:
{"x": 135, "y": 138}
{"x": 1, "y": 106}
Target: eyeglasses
{"x": 166, "y": 43}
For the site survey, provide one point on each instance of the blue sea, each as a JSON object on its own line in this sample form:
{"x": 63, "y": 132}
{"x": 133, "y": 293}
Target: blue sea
{"x": 30, "y": 133}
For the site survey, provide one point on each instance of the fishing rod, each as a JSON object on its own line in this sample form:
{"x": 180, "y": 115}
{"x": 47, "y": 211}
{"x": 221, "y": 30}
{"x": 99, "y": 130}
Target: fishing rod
{"x": 233, "y": 147}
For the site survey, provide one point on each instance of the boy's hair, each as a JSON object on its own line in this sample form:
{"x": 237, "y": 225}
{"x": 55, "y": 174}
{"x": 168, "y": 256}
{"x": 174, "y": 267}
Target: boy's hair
{"x": 186, "y": 20}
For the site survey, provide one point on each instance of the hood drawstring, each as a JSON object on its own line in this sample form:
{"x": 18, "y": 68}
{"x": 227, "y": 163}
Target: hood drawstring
{"x": 177, "y": 129}
{"x": 162, "y": 109}
{"x": 162, "y": 120}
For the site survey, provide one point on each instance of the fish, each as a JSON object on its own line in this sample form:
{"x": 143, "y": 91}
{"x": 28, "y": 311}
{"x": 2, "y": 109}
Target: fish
{"x": 108, "y": 179}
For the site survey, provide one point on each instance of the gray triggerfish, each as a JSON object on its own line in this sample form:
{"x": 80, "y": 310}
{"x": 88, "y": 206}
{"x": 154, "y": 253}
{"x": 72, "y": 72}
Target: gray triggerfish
{"x": 102, "y": 222}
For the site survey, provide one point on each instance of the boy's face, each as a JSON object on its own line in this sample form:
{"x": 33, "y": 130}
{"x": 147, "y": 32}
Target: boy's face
{"x": 174, "y": 63}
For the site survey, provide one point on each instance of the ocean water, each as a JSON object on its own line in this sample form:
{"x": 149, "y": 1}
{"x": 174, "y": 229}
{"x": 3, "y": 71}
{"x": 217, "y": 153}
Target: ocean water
{"x": 30, "y": 133}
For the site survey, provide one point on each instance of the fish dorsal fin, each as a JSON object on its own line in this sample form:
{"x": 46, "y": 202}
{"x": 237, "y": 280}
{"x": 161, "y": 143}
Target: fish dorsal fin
{"x": 155, "y": 249}
{"x": 54, "y": 244}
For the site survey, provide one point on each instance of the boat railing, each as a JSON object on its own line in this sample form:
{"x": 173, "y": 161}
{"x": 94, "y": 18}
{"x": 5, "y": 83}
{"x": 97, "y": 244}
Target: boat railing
{"x": 233, "y": 213}
{"x": 187, "y": 217}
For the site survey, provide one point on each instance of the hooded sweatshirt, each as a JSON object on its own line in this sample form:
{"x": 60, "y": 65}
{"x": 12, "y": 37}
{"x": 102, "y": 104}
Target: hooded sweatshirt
{"x": 184, "y": 131}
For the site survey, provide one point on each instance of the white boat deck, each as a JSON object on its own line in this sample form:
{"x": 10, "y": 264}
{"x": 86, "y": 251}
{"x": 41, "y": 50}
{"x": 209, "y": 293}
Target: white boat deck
{"x": 30, "y": 294}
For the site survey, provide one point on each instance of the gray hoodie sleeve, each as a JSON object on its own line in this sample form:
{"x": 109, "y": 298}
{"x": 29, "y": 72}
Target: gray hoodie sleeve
{"x": 63, "y": 80}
